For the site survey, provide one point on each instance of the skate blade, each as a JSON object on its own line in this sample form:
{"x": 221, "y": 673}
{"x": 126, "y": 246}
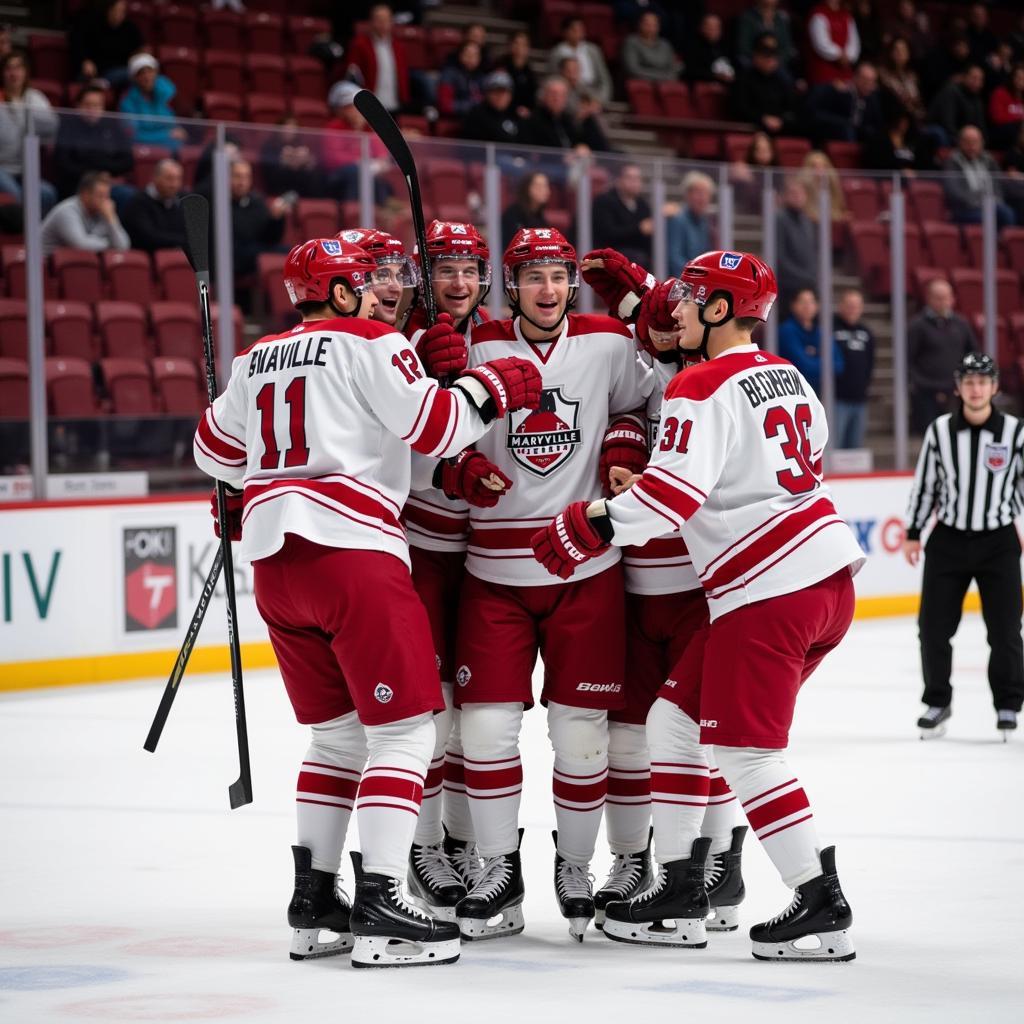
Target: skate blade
{"x": 683, "y": 933}
{"x": 307, "y": 944}
{"x": 509, "y": 922}
{"x": 578, "y": 927}
{"x": 381, "y": 951}
{"x": 723, "y": 919}
{"x": 599, "y": 918}
{"x": 933, "y": 734}
{"x": 830, "y": 947}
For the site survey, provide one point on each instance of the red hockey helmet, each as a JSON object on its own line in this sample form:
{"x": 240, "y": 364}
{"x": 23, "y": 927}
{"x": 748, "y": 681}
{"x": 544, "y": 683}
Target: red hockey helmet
{"x": 538, "y": 246}
{"x": 386, "y": 250}
{"x": 310, "y": 268}
{"x": 458, "y": 240}
{"x": 746, "y": 279}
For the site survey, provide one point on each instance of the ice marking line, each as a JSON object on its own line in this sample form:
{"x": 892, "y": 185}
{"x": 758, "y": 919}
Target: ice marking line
{"x": 73, "y": 935}
{"x": 765, "y": 993}
{"x": 44, "y": 978}
{"x": 168, "y": 1006}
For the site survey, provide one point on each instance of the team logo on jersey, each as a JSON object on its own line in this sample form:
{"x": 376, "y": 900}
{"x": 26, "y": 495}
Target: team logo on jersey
{"x": 996, "y": 457}
{"x": 331, "y": 246}
{"x": 463, "y": 676}
{"x": 729, "y": 260}
{"x": 150, "y": 578}
{"x": 544, "y": 439}
{"x": 383, "y": 693}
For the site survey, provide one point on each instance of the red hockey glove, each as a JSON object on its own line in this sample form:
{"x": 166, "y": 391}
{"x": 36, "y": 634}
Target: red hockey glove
{"x": 235, "y": 507}
{"x": 469, "y": 475}
{"x": 441, "y": 348}
{"x": 655, "y": 315}
{"x": 570, "y": 539}
{"x": 624, "y": 445}
{"x": 619, "y": 283}
{"x": 510, "y": 383}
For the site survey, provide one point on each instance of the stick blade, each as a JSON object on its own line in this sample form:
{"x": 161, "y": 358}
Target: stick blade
{"x": 386, "y": 129}
{"x": 196, "y": 211}
{"x": 240, "y": 793}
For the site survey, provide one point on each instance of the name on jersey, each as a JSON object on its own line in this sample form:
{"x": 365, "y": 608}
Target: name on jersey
{"x": 308, "y": 351}
{"x": 764, "y": 385}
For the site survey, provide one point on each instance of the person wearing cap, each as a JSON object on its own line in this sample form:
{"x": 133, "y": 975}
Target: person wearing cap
{"x": 149, "y": 97}
{"x": 494, "y": 119}
{"x": 342, "y": 147}
{"x": 764, "y": 93}
{"x": 970, "y": 476}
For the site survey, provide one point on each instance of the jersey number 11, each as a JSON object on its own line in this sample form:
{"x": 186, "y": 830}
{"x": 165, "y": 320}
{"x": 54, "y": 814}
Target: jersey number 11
{"x": 296, "y": 454}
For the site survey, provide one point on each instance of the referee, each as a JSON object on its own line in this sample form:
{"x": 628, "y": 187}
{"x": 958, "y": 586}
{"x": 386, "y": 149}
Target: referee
{"x": 970, "y": 473}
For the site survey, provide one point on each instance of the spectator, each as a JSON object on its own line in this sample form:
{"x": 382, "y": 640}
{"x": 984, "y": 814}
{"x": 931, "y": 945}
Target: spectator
{"x": 980, "y": 37}
{"x": 90, "y": 142}
{"x": 87, "y": 220}
{"x": 943, "y": 63}
{"x": 796, "y": 241}
{"x": 1006, "y": 110}
{"x": 689, "y": 231}
{"x": 912, "y": 25}
{"x": 647, "y": 54}
{"x": 971, "y": 175}
{"x": 494, "y": 120}
{"x": 102, "y": 42}
{"x": 594, "y": 71}
{"x": 203, "y": 173}
{"x": 764, "y": 92}
{"x": 834, "y": 43}
{"x": 899, "y": 80}
{"x": 869, "y": 28}
{"x": 288, "y": 164}
{"x": 747, "y": 175}
{"x": 707, "y": 59}
{"x": 847, "y": 111}
{"x": 958, "y": 103}
{"x": 897, "y": 148}
{"x": 256, "y": 226}
{"x": 153, "y": 216}
{"x": 937, "y": 339}
{"x": 818, "y": 169}
{"x": 150, "y": 97}
{"x": 800, "y": 339}
{"x": 622, "y": 217}
{"x": 524, "y": 81}
{"x": 475, "y": 32}
{"x": 19, "y": 102}
{"x": 5, "y": 41}
{"x": 342, "y": 147}
{"x": 589, "y": 116}
{"x": 1013, "y": 183}
{"x": 857, "y": 345}
{"x": 569, "y": 69}
{"x": 378, "y": 61}
{"x": 551, "y": 124}
{"x": 460, "y": 88}
{"x": 529, "y": 210}
{"x": 760, "y": 18}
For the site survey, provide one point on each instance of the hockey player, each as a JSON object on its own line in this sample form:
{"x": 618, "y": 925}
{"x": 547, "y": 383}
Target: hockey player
{"x": 443, "y": 861}
{"x": 396, "y": 280}
{"x": 738, "y": 469}
{"x": 511, "y": 609}
{"x": 665, "y": 613}
{"x": 316, "y": 424}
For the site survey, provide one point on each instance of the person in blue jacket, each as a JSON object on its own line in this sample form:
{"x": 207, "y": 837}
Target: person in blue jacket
{"x": 150, "y": 97}
{"x": 800, "y": 339}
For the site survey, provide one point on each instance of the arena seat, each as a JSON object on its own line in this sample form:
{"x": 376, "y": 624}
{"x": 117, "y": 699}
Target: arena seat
{"x": 78, "y": 274}
{"x": 176, "y": 329}
{"x": 69, "y": 326}
{"x": 122, "y": 330}
{"x": 13, "y": 329}
{"x": 174, "y": 275}
{"x": 177, "y": 385}
{"x": 69, "y": 388}
{"x": 130, "y": 386}
{"x": 13, "y": 389}
{"x": 129, "y": 275}
{"x": 223, "y": 73}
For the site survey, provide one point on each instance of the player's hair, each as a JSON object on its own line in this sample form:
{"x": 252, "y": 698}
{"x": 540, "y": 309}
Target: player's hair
{"x": 746, "y": 323}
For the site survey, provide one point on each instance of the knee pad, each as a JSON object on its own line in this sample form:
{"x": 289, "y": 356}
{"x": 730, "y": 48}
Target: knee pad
{"x": 626, "y": 741}
{"x": 669, "y": 727}
{"x": 579, "y": 734}
{"x": 341, "y": 741}
{"x": 486, "y": 728}
{"x": 411, "y": 737}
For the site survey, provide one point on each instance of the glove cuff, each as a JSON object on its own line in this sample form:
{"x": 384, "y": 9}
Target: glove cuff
{"x": 478, "y": 395}
{"x": 597, "y": 516}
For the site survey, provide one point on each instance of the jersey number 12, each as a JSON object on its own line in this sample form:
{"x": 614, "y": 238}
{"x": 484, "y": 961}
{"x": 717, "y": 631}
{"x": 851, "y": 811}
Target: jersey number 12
{"x": 296, "y": 454}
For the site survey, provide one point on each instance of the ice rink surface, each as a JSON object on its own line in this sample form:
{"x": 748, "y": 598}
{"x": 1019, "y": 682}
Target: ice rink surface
{"x": 129, "y": 891}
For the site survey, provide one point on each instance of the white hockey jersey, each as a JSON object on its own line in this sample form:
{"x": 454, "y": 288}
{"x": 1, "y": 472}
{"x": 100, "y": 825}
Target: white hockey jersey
{"x": 318, "y": 425}
{"x": 662, "y": 565}
{"x": 591, "y": 372}
{"x": 738, "y": 468}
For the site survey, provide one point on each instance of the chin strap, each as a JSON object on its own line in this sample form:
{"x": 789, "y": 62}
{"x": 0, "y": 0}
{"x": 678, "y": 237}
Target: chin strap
{"x": 330, "y": 300}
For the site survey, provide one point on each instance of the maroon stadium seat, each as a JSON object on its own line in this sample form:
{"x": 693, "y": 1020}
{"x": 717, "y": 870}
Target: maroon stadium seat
{"x": 70, "y": 329}
{"x": 862, "y": 198}
{"x": 130, "y": 387}
{"x": 266, "y": 73}
{"x": 141, "y": 12}
{"x": 222, "y": 29}
{"x": 13, "y": 389}
{"x": 12, "y": 271}
{"x": 970, "y": 290}
{"x": 444, "y": 41}
{"x": 13, "y": 329}
{"x": 264, "y": 32}
{"x": 145, "y": 159}
{"x": 236, "y": 321}
{"x": 675, "y": 99}
{"x": 129, "y": 275}
{"x": 222, "y": 106}
{"x": 51, "y": 89}
{"x": 926, "y": 201}
{"x": 923, "y": 276}
{"x": 942, "y": 243}
{"x": 176, "y": 24}
{"x": 709, "y": 100}
{"x": 265, "y": 108}
{"x": 270, "y": 266}
{"x": 122, "y": 329}
{"x": 49, "y": 56}
{"x": 791, "y": 152}
{"x": 735, "y": 145}
{"x": 304, "y": 30}
{"x": 414, "y": 39}
{"x": 1012, "y": 240}
{"x": 1016, "y": 328}
{"x": 223, "y": 73}
{"x": 642, "y": 99}
{"x": 177, "y": 384}
{"x": 181, "y": 65}
{"x": 69, "y": 388}
{"x": 317, "y": 218}
{"x": 78, "y": 274}
{"x": 307, "y": 78}
{"x": 174, "y": 276}
{"x": 447, "y": 181}
{"x": 870, "y": 249}
{"x": 309, "y": 112}
{"x": 176, "y": 329}
{"x": 844, "y": 155}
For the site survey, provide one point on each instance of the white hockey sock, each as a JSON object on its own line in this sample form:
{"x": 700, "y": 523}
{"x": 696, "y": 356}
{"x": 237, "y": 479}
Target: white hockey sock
{"x": 494, "y": 774}
{"x": 720, "y": 817}
{"x": 680, "y": 779}
{"x": 579, "y": 737}
{"x": 627, "y": 811}
{"x": 391, "y": 791}
{"x": 326, "y": 789}
{"x": 428, "y": 825}
{"x": 457, "y": 818}
{"x": 776, "y": 807}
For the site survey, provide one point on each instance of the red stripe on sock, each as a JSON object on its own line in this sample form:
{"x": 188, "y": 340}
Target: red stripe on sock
{"x": 326, "y": 785}
{"x": 753, "y": 799}
{"x": 324, "y": 803}
{"x": 394, "y": 786}
{"x": 676, "y": 784}
{"x": 501, "y": 778}
{"x": 719, "y": 787}
{"x": 579, "y": 793}
{"x": 391, "y": 807}
{"x": 783, "y": 828}
{"x": 640, "y": 786}
{"x": 777, "y": 809}
{"x": 454, "y": 770}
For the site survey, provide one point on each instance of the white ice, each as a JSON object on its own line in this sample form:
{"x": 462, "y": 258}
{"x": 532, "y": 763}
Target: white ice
{"x": 130, "y": 892}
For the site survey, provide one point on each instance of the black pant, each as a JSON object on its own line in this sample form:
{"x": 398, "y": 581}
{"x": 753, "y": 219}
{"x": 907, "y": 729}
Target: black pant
{"x": 952, "y": 559}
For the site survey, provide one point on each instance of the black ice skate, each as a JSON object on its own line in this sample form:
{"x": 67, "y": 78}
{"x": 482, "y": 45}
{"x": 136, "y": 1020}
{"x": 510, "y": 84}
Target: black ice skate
{"x": 933, "y": 722}
{"x": 724, "y": 880}
{"x": 574, "y": 888}
{"x": 671, "y": 912}
{"x": 433, "y": 883}
{"x": 494, "y": 907}
{"x": 629, "y": 876}
{"x": 390, "y": 932}
{"x": 317, "y": 907}
{"x": 463, "y": 856}
{"x": 1006, "y": 722}
{"x": 815, "y": 926}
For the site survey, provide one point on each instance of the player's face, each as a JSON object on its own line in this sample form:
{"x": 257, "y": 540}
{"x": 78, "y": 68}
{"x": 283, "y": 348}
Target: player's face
{"x": 363, "y": 306}
{"x": 687, "y": 316}
{"x": 977, "y": 390}
{"x": 456, "y": 286}
{"x": 387, "y": 286}
{"x": 544, "y": 293}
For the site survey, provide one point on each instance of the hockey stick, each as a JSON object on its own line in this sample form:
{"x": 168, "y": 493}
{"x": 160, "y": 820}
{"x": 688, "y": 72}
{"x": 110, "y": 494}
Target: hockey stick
{"x": 181, "y": 662}
{"x": 196, "y": 212}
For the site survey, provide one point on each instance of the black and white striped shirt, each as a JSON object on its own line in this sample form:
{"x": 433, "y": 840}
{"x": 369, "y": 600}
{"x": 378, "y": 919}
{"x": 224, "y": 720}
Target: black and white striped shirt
{"x": 972, "y": 478}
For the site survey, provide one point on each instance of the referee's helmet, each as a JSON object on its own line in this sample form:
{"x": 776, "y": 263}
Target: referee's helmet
{"x": 976, "y": 364}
